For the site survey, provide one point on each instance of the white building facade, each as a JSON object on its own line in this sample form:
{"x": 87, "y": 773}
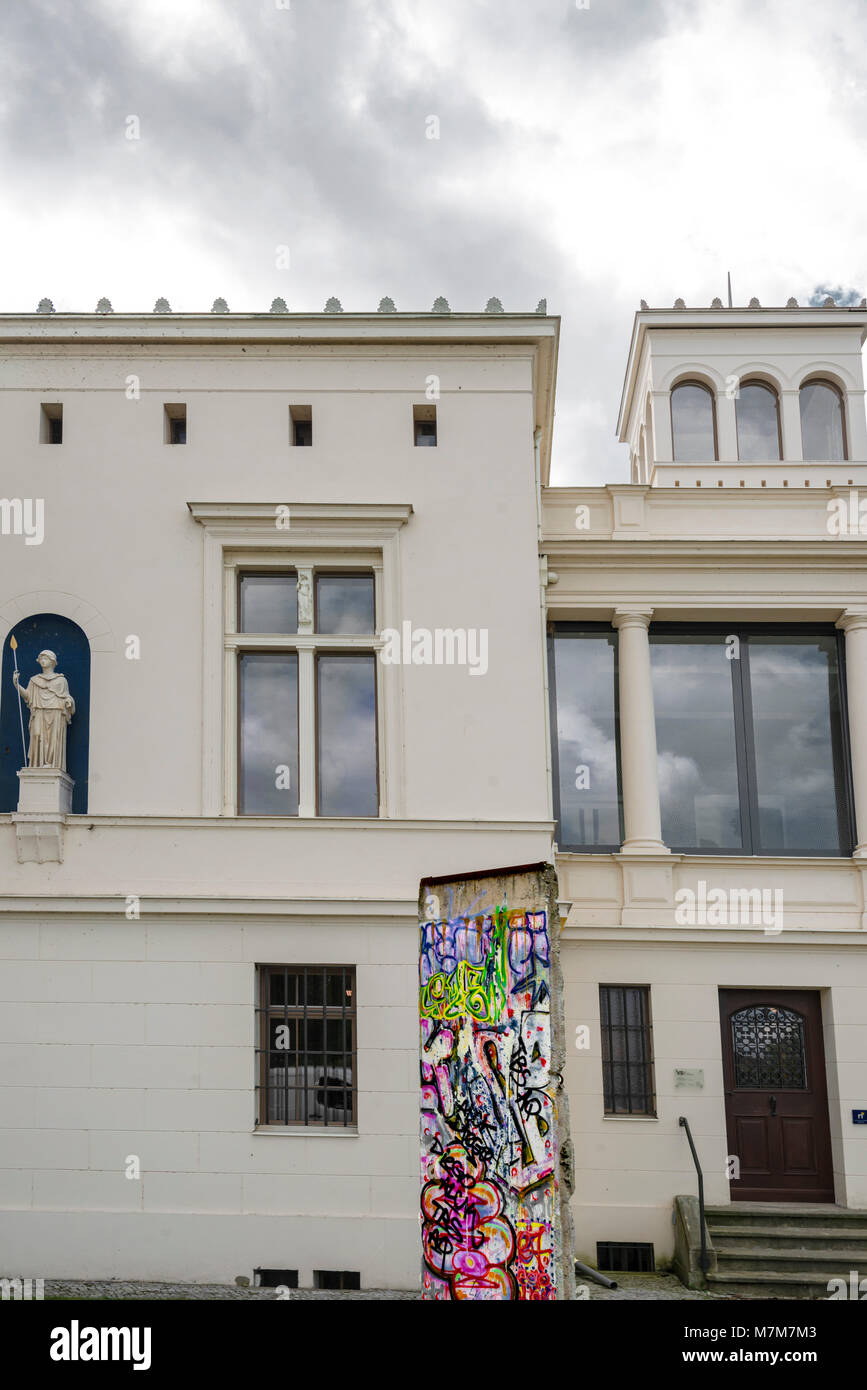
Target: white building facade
{"x": 330, "y": 632}
{"x": 236, "y": 511}
{"x": 708, "y": 638}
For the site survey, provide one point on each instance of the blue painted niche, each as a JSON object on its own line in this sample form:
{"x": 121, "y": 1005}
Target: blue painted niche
{"x": 72, "y": 649}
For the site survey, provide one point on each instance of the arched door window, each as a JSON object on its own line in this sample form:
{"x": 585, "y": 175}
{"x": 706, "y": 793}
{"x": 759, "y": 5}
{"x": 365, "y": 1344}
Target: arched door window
{"x": 758, "y": 420}
{"x": 693, "y": 423}
{"x": 769, "y": 1049}
{"x": 823, "y": 435}
{"x": 67, "y": 640}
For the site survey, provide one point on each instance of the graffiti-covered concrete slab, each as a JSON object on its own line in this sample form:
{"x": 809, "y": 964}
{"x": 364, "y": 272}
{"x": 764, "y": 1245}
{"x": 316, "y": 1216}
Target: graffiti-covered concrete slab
{"x": 495, "y": 1150}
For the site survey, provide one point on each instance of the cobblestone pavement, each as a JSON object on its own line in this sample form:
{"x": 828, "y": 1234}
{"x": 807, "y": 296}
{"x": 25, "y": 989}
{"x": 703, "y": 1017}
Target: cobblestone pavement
{"x": 652, "y": 1286}
{"x": 629, "y": 1286}
{"x": 137, "y": 1290}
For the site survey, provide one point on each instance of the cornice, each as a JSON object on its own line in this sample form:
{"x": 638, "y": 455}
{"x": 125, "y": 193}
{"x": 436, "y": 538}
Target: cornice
{"x": 721, "y": 552}
{"x": 281, "y": 521}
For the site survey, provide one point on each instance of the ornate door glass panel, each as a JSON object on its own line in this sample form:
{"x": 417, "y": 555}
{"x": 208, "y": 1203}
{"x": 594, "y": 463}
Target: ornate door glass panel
{"x": 769, "y": 1049}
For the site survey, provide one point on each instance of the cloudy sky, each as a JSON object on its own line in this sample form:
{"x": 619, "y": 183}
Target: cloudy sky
{"x": 594, "y": 156}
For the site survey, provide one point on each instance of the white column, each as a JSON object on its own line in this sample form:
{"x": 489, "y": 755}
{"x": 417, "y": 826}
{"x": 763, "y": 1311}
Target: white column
{"x": 726, "y": 428}
{"x": 854, "y": 623}
{"x": 638, "y": 735}
{"x": 856, "y": 426}
{"x": 663, "y": 447}
{"x": 790, "y": 426}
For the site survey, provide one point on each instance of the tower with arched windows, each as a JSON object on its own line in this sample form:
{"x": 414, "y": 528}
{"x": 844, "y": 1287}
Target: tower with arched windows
{"x": 746, "y": 398}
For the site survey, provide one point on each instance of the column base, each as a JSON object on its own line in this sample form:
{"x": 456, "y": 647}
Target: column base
{"x": 644, "y": 847}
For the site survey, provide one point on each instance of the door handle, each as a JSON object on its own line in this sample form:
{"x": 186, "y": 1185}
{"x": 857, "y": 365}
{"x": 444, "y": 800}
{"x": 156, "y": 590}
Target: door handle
{"x": 773, "y": 1104}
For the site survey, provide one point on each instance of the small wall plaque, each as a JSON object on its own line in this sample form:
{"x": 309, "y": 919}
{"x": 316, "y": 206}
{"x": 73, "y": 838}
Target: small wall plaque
{"x": 859, "y": 1117}
{"x": 688, "y": 1079}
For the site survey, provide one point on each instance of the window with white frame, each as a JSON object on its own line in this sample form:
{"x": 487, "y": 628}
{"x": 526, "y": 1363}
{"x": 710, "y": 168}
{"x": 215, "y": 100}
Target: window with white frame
{"x": 306, "y": 627}
{"x": 300, "y": 718}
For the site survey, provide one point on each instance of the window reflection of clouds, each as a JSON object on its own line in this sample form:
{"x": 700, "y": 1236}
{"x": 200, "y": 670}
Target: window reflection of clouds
{"x": 692, "y": 423}
{"x": 791, "y": 680}
{"x": 821, "y": 422}
{"x": 347, "y": 736}
{"x": 584, "y": 683}
{"x": 269, "y": 732}
{"x": 757, "y": 424}
{"x": 269, "y": 603}
{"x": 344, "y": 603}
{"x": 695, "y": 738}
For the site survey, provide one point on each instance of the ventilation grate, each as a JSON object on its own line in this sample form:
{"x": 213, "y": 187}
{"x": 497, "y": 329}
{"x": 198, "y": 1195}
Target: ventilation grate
{"x": 273, "y": 1278}
{"x": 336, "y": 1279}
{"x": 632, "y": 1257}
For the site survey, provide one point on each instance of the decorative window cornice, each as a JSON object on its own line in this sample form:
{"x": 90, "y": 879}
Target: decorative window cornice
{"x": 255, "y": 520}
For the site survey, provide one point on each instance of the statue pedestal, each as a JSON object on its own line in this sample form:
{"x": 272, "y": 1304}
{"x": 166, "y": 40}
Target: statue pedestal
{"x": 44, "y": 802}
{"x": 45, "y": 789}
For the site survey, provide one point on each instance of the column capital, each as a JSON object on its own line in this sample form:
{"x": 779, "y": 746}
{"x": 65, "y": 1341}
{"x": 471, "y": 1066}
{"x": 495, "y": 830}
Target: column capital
{"x": 852, "y": 619}
{"x": 634, "y": 615}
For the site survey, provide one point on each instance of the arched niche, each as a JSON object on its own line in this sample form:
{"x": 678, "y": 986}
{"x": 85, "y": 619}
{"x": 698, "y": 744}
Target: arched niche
{"x": 69, "y": 642}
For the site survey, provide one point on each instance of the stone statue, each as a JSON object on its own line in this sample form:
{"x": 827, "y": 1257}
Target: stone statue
{"x": 305, "y": 600}
{"x": 51, "y": 708}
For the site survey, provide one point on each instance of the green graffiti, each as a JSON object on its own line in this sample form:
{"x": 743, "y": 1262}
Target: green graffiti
{"x": 477, "y": 991}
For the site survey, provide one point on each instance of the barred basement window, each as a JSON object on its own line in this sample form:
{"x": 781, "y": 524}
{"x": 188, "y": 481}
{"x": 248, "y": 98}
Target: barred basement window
{"x": 276, "y": 1278}
{"x": 336, "y": 1279}
{"x": 627, "y": 1050}
{"x": 635, "y": 1257}
{"x": 306, "y": 1052}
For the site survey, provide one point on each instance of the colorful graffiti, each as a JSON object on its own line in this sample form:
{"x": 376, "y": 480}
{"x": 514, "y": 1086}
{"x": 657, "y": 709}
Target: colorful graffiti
{"x": 489, "y": 1135}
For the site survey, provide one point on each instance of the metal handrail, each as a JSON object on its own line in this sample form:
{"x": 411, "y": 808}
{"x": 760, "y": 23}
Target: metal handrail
{"x": 703, "y": 1257}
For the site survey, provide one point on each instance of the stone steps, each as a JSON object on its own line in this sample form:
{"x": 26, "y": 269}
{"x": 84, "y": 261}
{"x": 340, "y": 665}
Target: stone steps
{"x": 813, "y": 1238}
{"x": 771, "y": 1284}
{"x": 784, "y": 1250}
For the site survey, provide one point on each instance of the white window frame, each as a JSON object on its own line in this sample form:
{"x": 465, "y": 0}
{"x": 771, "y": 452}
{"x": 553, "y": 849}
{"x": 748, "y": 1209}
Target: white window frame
{"x": 327, "y": 536}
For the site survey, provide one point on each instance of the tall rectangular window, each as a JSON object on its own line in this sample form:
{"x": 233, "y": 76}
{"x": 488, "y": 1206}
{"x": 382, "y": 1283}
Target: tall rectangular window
{"x": 346, "y": 744}
{"x": 750, "y": 741}
{"x": 582, "y": 667}
{"x": 269, "y": 733}
{"x": 306, "y": 1052}
{"x": 627, "y": 1050}
{"x": 796, "y": 726}
{"x": 307, "y": 692}
{"x": 696, "y": 742}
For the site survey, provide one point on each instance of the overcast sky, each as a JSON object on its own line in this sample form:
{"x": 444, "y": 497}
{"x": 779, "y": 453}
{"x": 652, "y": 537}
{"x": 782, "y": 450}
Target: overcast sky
{"x": 592, "y": 156}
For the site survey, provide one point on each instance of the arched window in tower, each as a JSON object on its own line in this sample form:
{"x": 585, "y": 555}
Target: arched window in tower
{"x": 693, "y": 423}
{"x": 823, "y": 433}
{"x": 757, "y": 410}
{"x": 65, "y": 640}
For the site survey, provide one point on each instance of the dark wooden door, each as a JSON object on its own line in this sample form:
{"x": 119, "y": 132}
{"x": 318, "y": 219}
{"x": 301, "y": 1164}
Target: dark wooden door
{"x": 776, "y": 1096}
